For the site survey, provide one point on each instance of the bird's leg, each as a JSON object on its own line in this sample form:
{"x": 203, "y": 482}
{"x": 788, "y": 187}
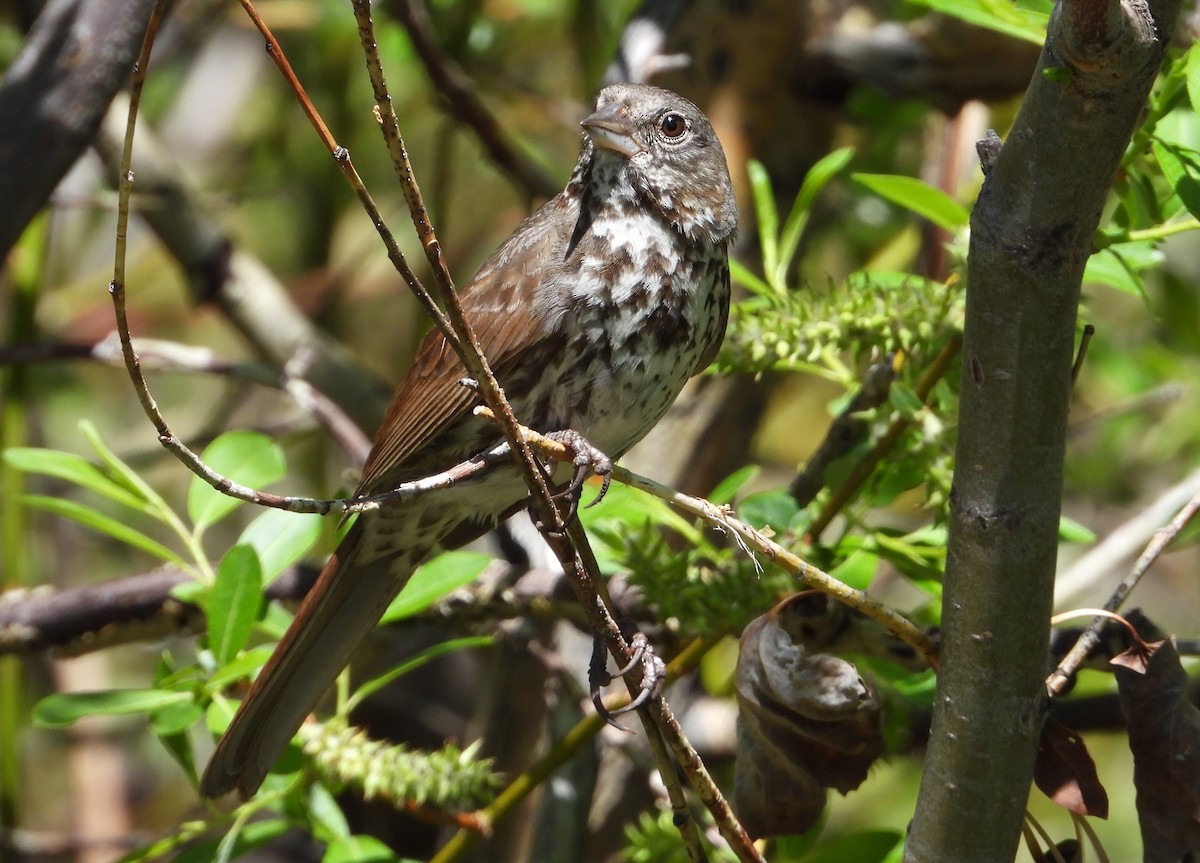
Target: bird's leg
{"x": 587, "y": 460}
{"x": 654, "y": 674}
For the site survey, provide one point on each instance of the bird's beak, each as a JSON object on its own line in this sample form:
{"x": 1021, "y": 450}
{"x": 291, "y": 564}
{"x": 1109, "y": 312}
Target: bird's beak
{"x": 612, "y": 129}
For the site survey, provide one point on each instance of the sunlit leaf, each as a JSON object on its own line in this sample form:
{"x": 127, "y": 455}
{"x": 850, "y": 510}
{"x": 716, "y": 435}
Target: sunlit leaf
{"x": 281, "y": 538}
{"x": 815, "y": 180}
{"x": 175, "y": 718}
{"x": 124, "y": 474}
{"x": 1003, "y": 16}
{"x": 437, "y": 578}
{"x": 1070, "y": 530}
{"x": 742, "y": 275}
{"x": 66, "y": 708}
{"x": 858, "y": 570}
{"x": 234, "y": 602}
{"x": 246, "y": 457}
{"x": 74, "y": 469}
{"x": 923, "y": 199}
{"x": 357, "y": 849}
{"x": 102, "y": 523}
{"x": 1120, "y": 266}
{"x": 732, "y": 484}
{"x": 766, "y": 216}
{"x": 1181, "y": 167}
{"x": 1192, "y": 73}
{"x": 249, "y": 837}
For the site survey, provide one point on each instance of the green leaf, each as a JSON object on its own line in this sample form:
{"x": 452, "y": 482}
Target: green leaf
{"x": 732, "y": 484}
{"x": 245, "y": 457}
{"x": 249, "y": 837}
{"x": 357, "y": 849}
{"x": 1070, "y": 530}
{"x": 768, "y": 508}
{"x": 240, "y": 668}
{"x": 903, "y": 399}
{"x": 742, "y": 275}
{"x": 867, "y": 846}
{"x": 328, "y": 820}
{"x": 102, "y": 523}
{"x": 631, "y": 508}
{"x": 175, "y": 718}
{"x": 1181, "y": 167}
{"x": 815, "y": 180}
{"x": 858, "y": 570}
{"x": 75, "y": 469}
{"x": 1192, "y": 76}
{"x": 1003, "y": 16}
{"x": 281, "y": 538}
{"x": 441, "y": 576}
{"x": 124, "y": 474}
{"x": 65, "y": 708}
{"x": 234, "y": 603}
{"x": 920, "y": 197}
{"x": 1120, "y": 266}
{"x": 765, "y": 214}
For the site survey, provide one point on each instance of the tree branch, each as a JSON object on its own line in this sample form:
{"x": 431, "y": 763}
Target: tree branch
{"x": 54, "y": 95}
{"x": 1031, "y": 235}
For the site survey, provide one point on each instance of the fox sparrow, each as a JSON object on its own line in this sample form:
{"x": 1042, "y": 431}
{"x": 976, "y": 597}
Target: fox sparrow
{"x": 594, "y": 314}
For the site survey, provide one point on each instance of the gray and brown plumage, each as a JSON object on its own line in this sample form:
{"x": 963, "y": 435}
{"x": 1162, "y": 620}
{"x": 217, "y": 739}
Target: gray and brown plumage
{"x": 593, "y": 314}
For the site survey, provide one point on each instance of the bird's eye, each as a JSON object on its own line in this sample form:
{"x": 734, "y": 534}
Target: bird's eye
{"x": 672, "y": 126}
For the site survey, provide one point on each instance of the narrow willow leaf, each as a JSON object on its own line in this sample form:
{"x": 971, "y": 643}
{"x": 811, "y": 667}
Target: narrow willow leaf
{"x": 743, "y": 276}
{"x": 815, "y": 180}
{"x": 102, "y": 523}
{"x": 1070, "y": 530}
{"x": 126, "y": 475}
{"x": 920, "y": 197}
{"x": 765, "y": 214}
{"x": 732, "y": 484}
{"x": 281, "y": 538}
{"x": 66, "y": 708}
{"x": 74, "y": 469}
{"x": 246, "y": 457}
{"x": 234, "y": 602}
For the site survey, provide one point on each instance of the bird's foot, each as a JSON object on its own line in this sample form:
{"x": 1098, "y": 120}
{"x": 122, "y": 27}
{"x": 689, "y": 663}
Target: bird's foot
{"x": 654, "y": 675}
{"x": 586, "y": 460}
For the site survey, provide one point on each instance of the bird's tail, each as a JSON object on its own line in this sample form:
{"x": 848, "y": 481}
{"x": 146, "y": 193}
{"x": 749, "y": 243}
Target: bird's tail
{"x": 349, "y": 597}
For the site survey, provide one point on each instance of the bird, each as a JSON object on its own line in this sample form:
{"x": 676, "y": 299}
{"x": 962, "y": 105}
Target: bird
{"x": 593, "y": 315}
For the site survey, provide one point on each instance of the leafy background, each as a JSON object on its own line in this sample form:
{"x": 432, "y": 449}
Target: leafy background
{"x": 824, "y": 294}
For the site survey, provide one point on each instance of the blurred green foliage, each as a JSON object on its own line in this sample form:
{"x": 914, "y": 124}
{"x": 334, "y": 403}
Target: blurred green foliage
{"x": 830, "y": 287}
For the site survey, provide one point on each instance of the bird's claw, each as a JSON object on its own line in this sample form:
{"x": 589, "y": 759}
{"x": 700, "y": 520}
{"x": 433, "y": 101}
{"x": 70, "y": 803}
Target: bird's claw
{"x": 654, "y": 673}
{"x": 587, "y": 460}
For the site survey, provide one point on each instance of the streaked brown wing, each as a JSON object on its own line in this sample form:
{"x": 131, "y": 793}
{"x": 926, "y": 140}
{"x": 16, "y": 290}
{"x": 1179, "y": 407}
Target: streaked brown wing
{"x": 430, "y": 400}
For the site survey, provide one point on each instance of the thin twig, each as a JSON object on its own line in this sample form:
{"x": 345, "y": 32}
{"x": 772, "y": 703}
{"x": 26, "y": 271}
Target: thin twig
{"x": 559, "y": 754}
{"x": 342, "y": 156}
{"x": 466, "y": 106}
{"x": 724, "y": 519}
{"x": 1162, "y": 538}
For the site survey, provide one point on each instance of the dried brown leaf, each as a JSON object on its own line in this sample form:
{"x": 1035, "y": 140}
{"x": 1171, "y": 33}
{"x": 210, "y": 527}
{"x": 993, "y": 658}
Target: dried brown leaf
{"x": 807, "y": 720}
{"x": 1164, "y": 736}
